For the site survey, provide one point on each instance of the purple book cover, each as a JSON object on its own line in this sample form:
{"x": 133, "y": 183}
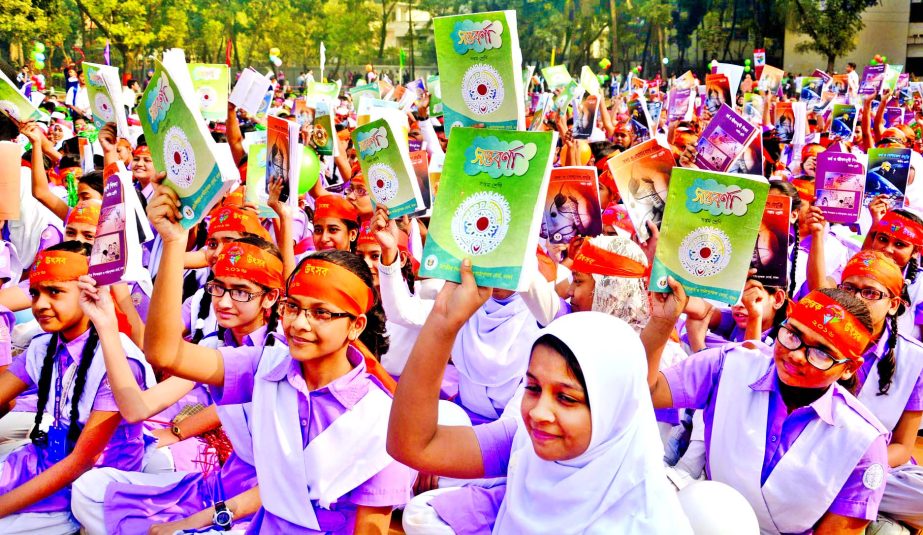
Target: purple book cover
{"x": 415, "y": 145}
{"x": 893, "y": 116}
{"x": 872, "y": 77}
{"x": 678, "y": 105}
{"x": 723, "y": 140}
{"x": 822, "y": 75}
{"x": 841, "y": 182}
{"x": 107, "y": 260}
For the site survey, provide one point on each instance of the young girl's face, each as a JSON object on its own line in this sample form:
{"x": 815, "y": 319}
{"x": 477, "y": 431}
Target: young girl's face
{"x": 86, "y": 193}
{"x": 879, "y": 309}
{"x": 82, "y": 232}
{"x": 215, "y": 243}
{"x": 371, "y": 253}
{"x": 56, "y": 306}
{"x": 142, "y": 169}
{"x": 794, "y": 369}
{"x": 555, "y": 409}
{"x": 581, "y": 291}
{"x": 332, "y": 233}
{"x": 358, "y": 195}
{"x": 309, "y": 338}
{"x": 249, "y": 315}
{"x": 897, "y": 249}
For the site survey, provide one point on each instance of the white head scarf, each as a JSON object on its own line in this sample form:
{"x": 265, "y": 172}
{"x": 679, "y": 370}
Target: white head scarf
{"x": 622, "y": 297}
{"x": 618, "y": 485}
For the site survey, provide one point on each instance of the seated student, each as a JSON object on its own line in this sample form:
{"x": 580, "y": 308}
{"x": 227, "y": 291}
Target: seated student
{"x": 247, "y": 284}
{"x": 86, "y": 428}
{"x": 769, "y": 411}
{"x": 584, "y": 457}
{"x": 305, "y": 455}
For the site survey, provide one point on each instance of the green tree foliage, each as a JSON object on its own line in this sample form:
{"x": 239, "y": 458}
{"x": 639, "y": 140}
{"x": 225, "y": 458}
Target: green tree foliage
{"x": 831, "y": 26}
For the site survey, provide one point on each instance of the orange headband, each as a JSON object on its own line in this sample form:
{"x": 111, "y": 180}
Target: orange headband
{"x": 592, "y": 259}
{"x": 812, "y": 149}
{"x": 231, "y": 219}
{"x": 335, "y": 207}
{"x": 57, "y": 266}
{"x": 332, "y": 284}
{"x": 806, "y": 189}
{"x": 86, "y": 212}
{"x": 366, "y": 237}
{"x": 831, "y": 321}
{"x": 616, "y": 215}
{"x": 250, "y": 262}
{"x": 903, "y": 228}
{"x": 875, "y": 265}
{"x": 142, "y": 150}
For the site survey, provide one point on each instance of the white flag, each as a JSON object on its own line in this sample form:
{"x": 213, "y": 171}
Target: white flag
{"x": 323, "y": 59}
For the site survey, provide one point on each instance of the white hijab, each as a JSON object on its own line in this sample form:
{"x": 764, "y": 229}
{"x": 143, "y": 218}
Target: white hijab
{"x": 618, "y": 485}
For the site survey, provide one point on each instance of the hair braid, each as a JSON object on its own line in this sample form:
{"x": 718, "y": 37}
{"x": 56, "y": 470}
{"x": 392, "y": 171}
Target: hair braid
{"x": 44, "y": 389}
{"x": 80, "y": 383}
{"x": 887, "y": 364}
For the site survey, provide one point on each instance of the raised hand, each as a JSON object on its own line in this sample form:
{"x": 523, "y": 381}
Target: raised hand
{"x": 456, "y": 303}
{"x": 163, "y": 211}
{"x": 97, "y": 304}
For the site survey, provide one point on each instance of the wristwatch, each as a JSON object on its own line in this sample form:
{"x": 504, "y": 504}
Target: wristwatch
{"x": 176, "y": 432}
{"x": 223, "y": 516}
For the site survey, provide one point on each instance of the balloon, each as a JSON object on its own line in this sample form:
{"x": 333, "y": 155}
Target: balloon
{"x": 39, "y": 47}
{"x": 277, "y": 62}
{"x": 873, "y": 62}
{"x": 746, "y": 62}
{"x": 884, "y": 59}
{"x": 310, "y": 170}
{"x": 746, "y": 68}
{"x": 717, "y": 509}
{"x": 39, "y": 56}
{"x": 666, "y": 61}
{"x": 604, "y": 63}
{"x": 39, "y": 65}
{"x": 274, "y": 52}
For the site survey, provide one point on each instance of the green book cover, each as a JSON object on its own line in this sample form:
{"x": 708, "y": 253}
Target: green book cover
{"x": 329, "y": 90}
{"x": 567, "y": 95}
{"x": 892, "y": 73}
{"x": 489, "y": 206}
{"x": 181, "y": 146}
{"x": 434, "y": 86}
{"x": 15, "y": 105}
{"x": 708, "y": 233}
{"x": 105, "y": 94}
{"x": 256, "y": 179}
{"x": 212, "y": 83}
{"x": 589, "y": 81}
{"x": 481, "y": 65}
{"x": 556, "y": 76}
{"x": 387, "y": 168}
{"x": 324, "y": 134}
{"x": 363, "y": 91}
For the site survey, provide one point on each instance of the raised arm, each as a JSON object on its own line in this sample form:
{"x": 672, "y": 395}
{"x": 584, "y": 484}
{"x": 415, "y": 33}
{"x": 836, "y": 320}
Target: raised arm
{"x": 283, "y": 226}
{"x": 817, "y": 262}
{"x": 163, "y": 338}
{"x": 232, "y": 133}
{"x": 40, "y": 189}
{"x": 665, "y": 310}
{"x": 414, "y": 436}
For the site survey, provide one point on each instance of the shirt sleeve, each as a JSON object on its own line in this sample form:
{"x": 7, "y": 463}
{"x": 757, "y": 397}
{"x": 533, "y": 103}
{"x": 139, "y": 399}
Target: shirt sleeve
{"x": 496, "y": 442}
{"x": 915, "y": 403}
{"x": 105, "y": 399}
{"x": 18, "y": 368}
{"x": 862, "y": 492}
{"x": 186, "y": 313}
{"x": 694, "y": 381}
{"x": 240, "y": 365}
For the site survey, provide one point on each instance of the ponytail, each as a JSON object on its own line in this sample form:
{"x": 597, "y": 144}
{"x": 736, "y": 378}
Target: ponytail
{"x": 913, "y": 267}
{"x": 887, "y": 363}
{"x": 39, "y": 437}
{"x": 271, "y": 325}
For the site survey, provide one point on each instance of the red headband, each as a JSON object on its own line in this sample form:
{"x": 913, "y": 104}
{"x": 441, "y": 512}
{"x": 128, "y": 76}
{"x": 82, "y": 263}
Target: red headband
{"x": 336, "y": 207}
{"x": 142, "y": 150}
{"x": 875, "y": 265}
{"x": 86, "y": 212}
{"x": 616, "y": 215}
{"x": 592, "y": 259}
{"x": 231, "y": 219}
{"x": 57, "y": 266}
{"x": 898, "y": 226}
{"x": 366, "y": 236}
{"x": 806, "y": 189}
{"x": 250, "y": 262}
{"x": 832, "y": 322}
{"x": 812, "y": 149}
{"x": 332, "y": 284}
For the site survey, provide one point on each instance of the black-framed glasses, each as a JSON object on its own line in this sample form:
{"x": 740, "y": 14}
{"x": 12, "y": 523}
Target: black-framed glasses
{"x": 241, "y": 296}
{"x": 815, "y": 356}
{"x": 292, "y": 310}
{"x": 358, "y": 191}
{"x": 869, "y": 294}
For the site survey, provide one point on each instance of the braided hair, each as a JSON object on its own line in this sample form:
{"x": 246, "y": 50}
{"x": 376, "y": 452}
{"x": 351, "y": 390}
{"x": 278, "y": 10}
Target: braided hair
{"x": 887, "y": 363}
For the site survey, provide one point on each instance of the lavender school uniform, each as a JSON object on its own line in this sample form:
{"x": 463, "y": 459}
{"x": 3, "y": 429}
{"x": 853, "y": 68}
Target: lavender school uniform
{"x": 116, "y": 502}
{"x": 903, "y": 497}
{"x": 125, "y": 449}
{"x": 753, "y": 445}
{"x": 316, "y": 490}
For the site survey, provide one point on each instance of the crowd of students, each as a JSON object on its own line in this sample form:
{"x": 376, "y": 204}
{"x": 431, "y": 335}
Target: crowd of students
{"x": 294, "y": 374}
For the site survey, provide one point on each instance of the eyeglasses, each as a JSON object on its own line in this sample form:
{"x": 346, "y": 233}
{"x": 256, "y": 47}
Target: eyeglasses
{"x": 869, "y": 294}
{"x": 241, "y": 296}
{"x": 358, "y": 191}
{"x": 214, "y": 243}
{"x": 816, "y": 356}
{"x": 291, "y": 311}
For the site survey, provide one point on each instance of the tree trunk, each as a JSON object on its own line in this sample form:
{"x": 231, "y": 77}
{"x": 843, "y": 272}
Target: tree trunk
{"x": 733, "y": 30}
{"x": 647, "y": 45}
{"x": 613, "y": 31}
{"x": 831, "y": 60}
{"x": 127, "y": 60}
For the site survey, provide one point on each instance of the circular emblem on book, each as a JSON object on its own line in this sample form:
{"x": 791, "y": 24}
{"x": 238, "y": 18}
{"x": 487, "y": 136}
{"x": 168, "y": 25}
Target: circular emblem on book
{"x": 705, "y": 251}
{"x": 480, "y": 222}
{"x": 179, "y": 157}
{"x": 320, "y": 137}
{"x": 206, "y": 96}
{"x": 104, "y": 107}
{"x": 873, "y": 476}
{"x": 482, "y": 89}
{"x": 382, "y": 182}
{"x": 10, "y": 109}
